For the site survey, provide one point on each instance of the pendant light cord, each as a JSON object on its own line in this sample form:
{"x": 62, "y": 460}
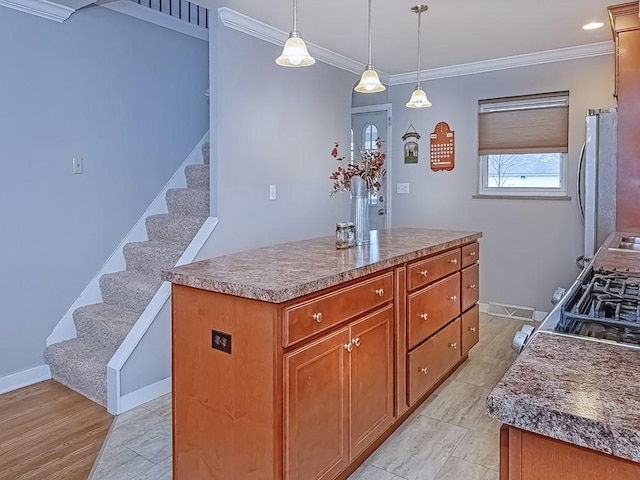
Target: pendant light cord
{"x": 419, "y": 63}
{"x": 295, "y": 15}
{"x": 369, "y": 64}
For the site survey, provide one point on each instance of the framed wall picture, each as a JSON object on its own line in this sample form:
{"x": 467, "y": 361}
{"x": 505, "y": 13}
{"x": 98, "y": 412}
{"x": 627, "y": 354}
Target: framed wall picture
{"x": 411, "y": 147}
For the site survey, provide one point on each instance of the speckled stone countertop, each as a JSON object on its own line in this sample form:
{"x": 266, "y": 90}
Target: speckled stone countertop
{"x": 617, "y": 259}
{"x": 580, "y": 391}
{"x": 287, "y": 271}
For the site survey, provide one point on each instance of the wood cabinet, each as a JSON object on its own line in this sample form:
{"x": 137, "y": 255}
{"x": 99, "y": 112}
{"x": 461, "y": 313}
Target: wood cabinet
{"x": 470, "y": 329}
{"x": 529, "y": 456}
{"x": 626, "y": 28}
{"x": 308, "y": 388}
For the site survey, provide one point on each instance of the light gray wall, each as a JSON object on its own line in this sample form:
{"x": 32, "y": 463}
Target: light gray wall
{"x": 125, "y": 95}
{"x": 529, "y": 247}
{"x": 277, "y": 126}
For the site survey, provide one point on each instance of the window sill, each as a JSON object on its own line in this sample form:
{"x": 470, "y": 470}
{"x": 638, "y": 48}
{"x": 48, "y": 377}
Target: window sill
{"x": 563, "y": 198}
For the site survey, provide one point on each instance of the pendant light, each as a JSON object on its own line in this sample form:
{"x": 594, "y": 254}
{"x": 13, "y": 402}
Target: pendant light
{"x": 369, "y": 82}
{"x": 295, "y": 52}
{"x": 418, "y": 97}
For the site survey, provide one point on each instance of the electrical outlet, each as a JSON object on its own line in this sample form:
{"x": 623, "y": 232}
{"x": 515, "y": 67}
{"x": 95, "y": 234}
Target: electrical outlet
{"x": 273, "y": 193}
{"x": 221, "y": 341}
{"x": 402, "y": 188}
{"x": 77, "y": 166}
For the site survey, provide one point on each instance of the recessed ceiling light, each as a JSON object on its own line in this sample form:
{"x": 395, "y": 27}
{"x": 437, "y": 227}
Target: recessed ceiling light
{"x": 593, "y": 25}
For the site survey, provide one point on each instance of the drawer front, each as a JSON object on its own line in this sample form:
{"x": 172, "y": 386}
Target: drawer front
{"x": 434, "y": 268}
{"x": 470, "y": 329}
{"x": 470, "y": 254}
{"x": 470, "y": 288}
{"x": 433, "y": 307}
{"x": 431, "y": 360}
{"x": 303, "y": 320}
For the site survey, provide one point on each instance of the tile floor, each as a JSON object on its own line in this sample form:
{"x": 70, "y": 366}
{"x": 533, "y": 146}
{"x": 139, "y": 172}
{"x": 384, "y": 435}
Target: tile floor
{"x": 448, "y": 438}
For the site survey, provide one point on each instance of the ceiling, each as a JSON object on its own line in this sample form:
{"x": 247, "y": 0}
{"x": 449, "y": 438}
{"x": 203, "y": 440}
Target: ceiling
{"x": 453, "y": 31}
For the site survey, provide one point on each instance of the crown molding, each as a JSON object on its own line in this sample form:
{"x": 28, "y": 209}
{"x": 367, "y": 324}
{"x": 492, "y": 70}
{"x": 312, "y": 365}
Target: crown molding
{"x": 504, "y": 63}
{"x": 255, "y": 28}
{"x": 40, "y": 8}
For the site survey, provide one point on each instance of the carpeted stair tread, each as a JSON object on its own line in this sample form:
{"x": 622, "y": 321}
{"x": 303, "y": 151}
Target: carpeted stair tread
{"x": 129, "y": 290}
{"x": 206, "y": 152}
{"x": 177, "y": 229}
{"x": 198, "y": 176}
{"x": 188, "y": 201}
{"x": 151, "y": 257}
{"x": 106, "y": 324}
{"x": 81, "y": 365}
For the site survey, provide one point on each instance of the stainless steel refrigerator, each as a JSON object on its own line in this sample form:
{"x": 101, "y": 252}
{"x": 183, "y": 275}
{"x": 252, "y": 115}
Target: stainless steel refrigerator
{"x": 597, "y": 176}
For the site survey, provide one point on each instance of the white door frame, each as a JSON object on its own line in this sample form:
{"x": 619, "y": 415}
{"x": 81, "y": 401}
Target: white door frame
{"x": 383, "y": 107}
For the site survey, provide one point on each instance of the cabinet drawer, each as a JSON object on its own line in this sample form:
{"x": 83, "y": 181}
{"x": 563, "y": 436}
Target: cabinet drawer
{"x": 431, "y": 360}
{"x": 302, "y": 320}
{"x": 432, "y": 307}
{"x": 470, "y": 254}
{"x": 470, "y": 286}
{"x": 470, "y": 329}
{"x": 434, "y": 268}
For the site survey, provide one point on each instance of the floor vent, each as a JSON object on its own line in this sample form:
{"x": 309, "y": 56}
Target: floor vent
{"x": 511, "y": 311}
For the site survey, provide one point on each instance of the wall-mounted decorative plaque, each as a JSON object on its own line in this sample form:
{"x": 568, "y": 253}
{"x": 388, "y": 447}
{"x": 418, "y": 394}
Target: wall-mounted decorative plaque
{"x": 410, "y": 139}
{"x": 443, "y": 151}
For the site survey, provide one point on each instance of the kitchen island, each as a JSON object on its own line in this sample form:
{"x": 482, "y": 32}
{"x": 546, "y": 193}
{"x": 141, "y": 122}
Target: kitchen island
{"x": 570, "y": 405}
{"x": 296, "y": 361}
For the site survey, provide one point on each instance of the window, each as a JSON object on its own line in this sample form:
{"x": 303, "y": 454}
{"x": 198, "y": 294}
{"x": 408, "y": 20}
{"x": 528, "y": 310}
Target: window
{"x": 523, "y": 144}
{"x": 369, "y": 137}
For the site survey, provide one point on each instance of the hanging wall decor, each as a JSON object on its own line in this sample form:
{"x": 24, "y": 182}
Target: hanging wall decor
{"x": 443, "y": 151}
{"x": 410, "y": 139}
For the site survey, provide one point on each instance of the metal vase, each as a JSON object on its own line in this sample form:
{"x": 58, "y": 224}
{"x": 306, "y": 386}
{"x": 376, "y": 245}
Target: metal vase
{"x": 360, "y": 209}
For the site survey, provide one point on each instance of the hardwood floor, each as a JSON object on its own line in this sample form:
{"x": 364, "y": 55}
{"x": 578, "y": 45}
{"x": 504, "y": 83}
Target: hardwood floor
{"x": 48, "y": 431}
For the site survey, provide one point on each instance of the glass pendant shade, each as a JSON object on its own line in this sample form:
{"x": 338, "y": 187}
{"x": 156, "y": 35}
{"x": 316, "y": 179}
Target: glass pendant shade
{"x": 418, "y": 99}
{"x": 295, "y": 53}
{"x": 369, "y": 82}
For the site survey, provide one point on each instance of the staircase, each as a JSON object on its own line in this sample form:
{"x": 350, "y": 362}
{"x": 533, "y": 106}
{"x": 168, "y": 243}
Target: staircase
{"x": 81, "y": 363}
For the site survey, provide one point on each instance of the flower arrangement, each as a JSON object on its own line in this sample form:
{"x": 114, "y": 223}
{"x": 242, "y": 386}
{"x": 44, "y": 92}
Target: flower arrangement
{"x": 370, "y": 167}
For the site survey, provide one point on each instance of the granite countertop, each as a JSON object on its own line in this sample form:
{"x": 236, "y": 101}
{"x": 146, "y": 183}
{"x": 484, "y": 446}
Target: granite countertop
{"x": 577, "y": 390}
{"x": 283, "y": 272}
{"x": 617, "y": 259}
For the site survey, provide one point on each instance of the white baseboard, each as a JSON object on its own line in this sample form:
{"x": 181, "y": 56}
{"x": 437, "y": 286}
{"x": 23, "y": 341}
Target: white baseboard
{"x": 24, "y": 378}
{"x": 145, "y": 394}
{"x": 538, "y": 315}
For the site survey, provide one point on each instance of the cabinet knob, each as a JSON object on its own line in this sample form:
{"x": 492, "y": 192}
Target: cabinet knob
{"x": 424, "y": 273}
{"x": 453, "y": 345}
{"x": 317, "y": 317}
{"x": 424, "y": 370}
{"x": 454, "y": 261}
{"x": 454, "y": 298}
{"x": 348, "y": 347}
{"x": 472, "y": 329}
{"x": 356, "y": 341}
{"x": 380, "y": 292}
{"x": 473, "y": 286}
{"x": 472, "y": 254}
{"x": 424, "y": 316}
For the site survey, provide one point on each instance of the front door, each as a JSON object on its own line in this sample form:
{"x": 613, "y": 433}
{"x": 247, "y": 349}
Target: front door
{"x": 367, "y": 127}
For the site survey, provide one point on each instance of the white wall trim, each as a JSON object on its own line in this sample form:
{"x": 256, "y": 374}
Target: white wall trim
{"x": 40, "y": 8}
{"x": 127, "y": 7}
{"x": 504, "y": 63}
{"x": 24, "y": 378}
{"x": 66, "y": 328}
{"x": 255, "y": 28}
{"x": 146, "y": 394}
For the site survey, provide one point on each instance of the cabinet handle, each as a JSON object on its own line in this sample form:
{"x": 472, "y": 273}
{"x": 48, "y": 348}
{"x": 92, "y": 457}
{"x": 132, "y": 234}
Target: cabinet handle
{"x": 472, "y": 254}
{"x": 454, "y": 298}
{"x": 356, "y": 341}
{"x": 472, "y": 286}
{"x": 424, "y": 370}
{"x": 348, "y": 347}
{"x": 453, "y": 345}
{"x": 424, "y": 273}
{"x": 317, "y": 317}
{"x": 424, "y": 316}
{"x": 472, "y": 329}
{"x": 454, "y": 261}
{"x": 380, "y": 292}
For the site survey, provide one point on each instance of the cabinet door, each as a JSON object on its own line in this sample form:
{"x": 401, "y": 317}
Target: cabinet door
{"x": 469, "y": 289}
{"x": 371, "y": 388}
{"x": 470, "y": 329}
{"x": 316, "y": 408}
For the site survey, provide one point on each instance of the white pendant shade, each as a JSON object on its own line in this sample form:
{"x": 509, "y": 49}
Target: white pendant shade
{"x": 418, "y": 99}
{"x": 370, "y": 82}
{"x": 295, "y": 53}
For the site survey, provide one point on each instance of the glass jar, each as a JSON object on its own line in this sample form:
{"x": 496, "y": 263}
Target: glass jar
{"x": 352, "y": 234}
{"x": 343, "y": 231}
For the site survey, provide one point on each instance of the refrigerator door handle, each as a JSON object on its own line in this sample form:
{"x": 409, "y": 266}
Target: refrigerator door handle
{"x": 579, "y": 183}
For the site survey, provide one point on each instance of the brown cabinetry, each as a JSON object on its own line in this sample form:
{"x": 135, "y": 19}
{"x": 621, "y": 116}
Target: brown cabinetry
{"x": 470, "y": 329}
{"x": 470, "y": 290}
